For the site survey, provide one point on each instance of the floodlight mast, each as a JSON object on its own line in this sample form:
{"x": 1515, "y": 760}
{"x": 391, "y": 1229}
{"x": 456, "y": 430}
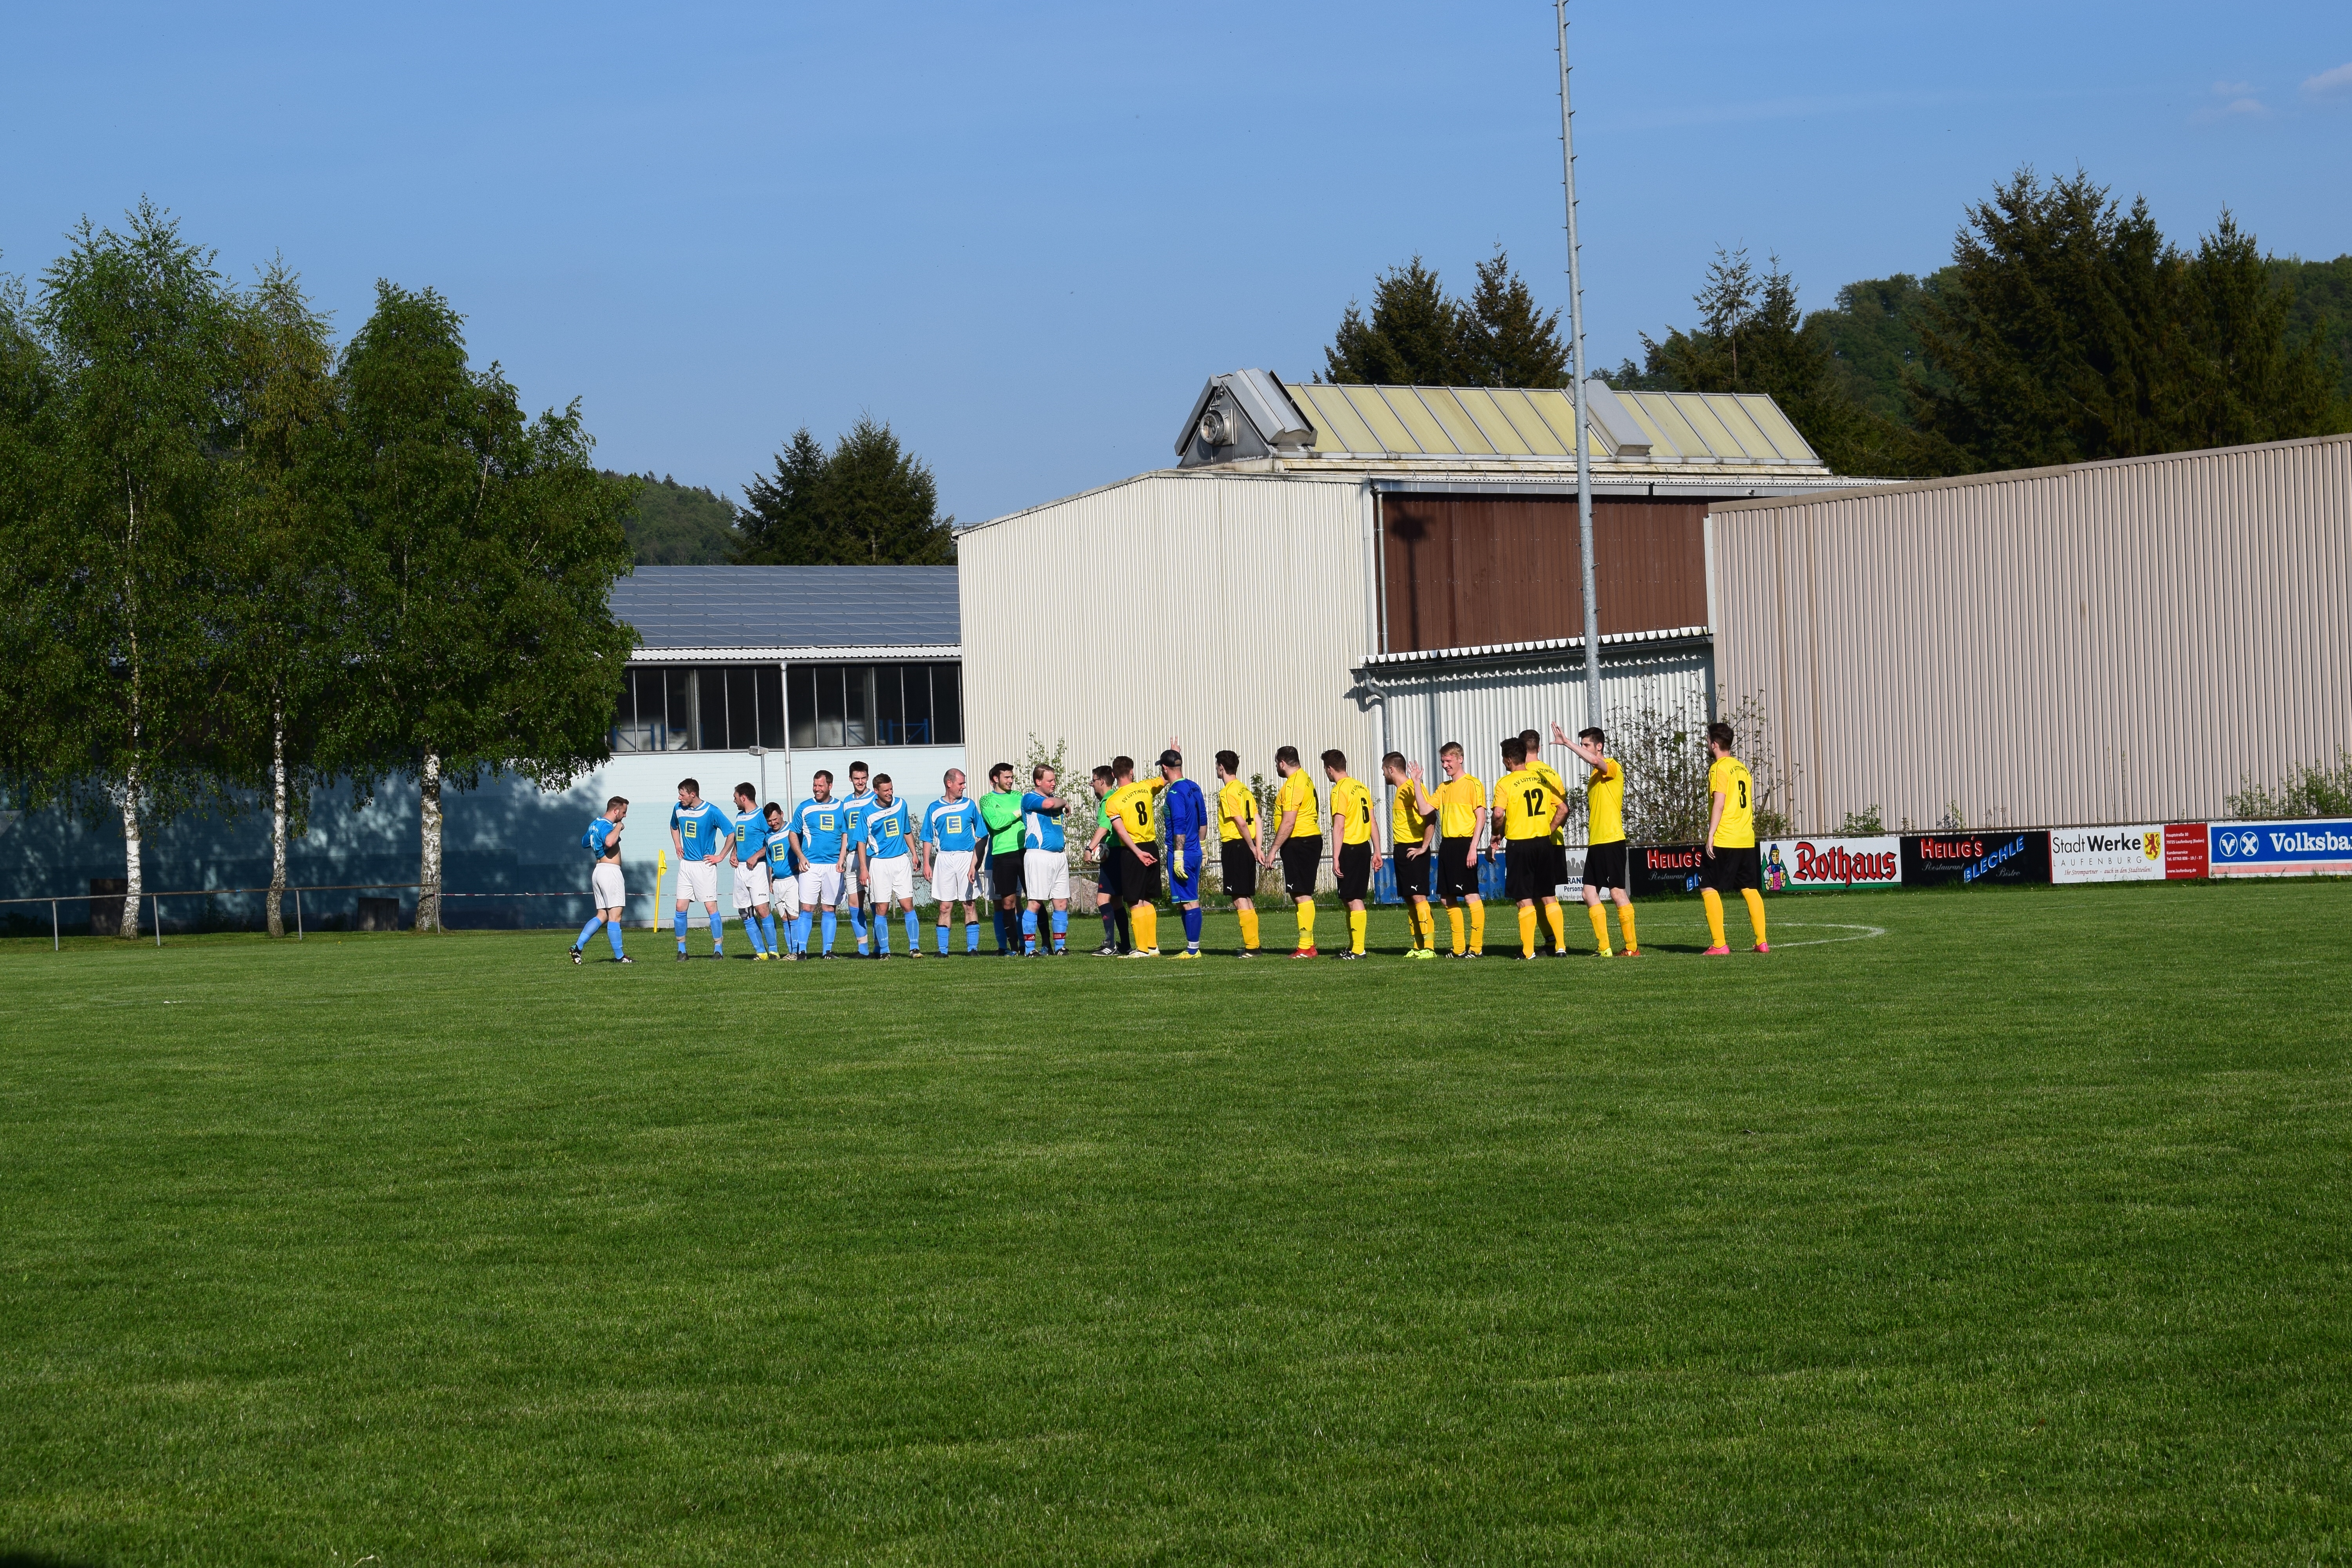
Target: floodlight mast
{"x": 1576, "y": 370}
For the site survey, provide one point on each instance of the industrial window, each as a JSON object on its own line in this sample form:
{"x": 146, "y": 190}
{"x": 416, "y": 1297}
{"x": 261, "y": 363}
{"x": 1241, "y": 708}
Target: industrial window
{"x": 699, "y": 708}
{"x": 875, "y": 704}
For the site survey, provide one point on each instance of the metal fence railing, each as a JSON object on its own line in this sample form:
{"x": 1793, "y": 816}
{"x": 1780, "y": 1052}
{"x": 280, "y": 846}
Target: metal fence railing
{"x": 154, "y": 900}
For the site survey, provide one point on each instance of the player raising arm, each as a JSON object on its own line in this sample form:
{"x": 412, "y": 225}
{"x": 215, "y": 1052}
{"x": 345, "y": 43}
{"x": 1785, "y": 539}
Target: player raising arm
{"x": 1608, "y": 870}
{"x": 1731, "y": 862}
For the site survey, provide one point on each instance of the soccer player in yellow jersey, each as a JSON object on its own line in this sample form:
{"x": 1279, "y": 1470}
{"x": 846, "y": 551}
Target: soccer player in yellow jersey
{"x": 1118, "y": 936}
{"x": 1356, "y": 843}
{"x": 1297, "y": 842}
{"x": 1461, "y": 833}
{"x": 1730, "y": 858}
{"x": 1529, "y": 811}
{"x": 1139, "y": 863}
{"x": 1608, "y": 870}
{"x": 1542, "y": 770}
{"x": 1412, "y": 840}
{"x": 1237, "y": 846}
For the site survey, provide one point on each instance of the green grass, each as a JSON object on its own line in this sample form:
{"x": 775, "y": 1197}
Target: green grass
{"x": 2020, "y": 1232}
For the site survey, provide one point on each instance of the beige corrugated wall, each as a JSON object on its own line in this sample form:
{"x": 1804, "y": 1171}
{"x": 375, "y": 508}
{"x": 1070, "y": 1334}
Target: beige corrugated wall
{"x": 1227, "y": 609}
{"x": 2111, "y": 642}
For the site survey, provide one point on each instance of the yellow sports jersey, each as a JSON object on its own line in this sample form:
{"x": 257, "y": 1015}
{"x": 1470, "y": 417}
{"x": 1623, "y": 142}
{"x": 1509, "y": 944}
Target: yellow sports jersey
{"x": 1459, "y": 802}
{"x": 1554, "y": 783}
{"x": 1729, "y": 778}
{"x": 1408, "y": 824}
{"x": 1236, "y": 813}
{"x": 1528, "y": 803}
{"x": 1298, "y": 795}
{"x": 1352, "y": 810}
{"x": 1605, "y": 802}
{"x": 1133, "y": 804}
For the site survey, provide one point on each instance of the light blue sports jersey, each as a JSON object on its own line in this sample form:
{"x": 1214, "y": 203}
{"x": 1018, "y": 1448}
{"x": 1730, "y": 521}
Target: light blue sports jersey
{"x": 822, "y": 826}
{"x": 951, "y": 824}
{"x": 750, "y": 836}
{"x": 853, "y": 822}
{"x": 600, "y": 833}
{"x": 702, "y": 832}
{"x": 1045, "y": 827}
{"x": 889, "y": 830}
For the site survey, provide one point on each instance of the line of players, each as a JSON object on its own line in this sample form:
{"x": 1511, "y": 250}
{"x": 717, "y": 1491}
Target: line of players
{"x": 870, "y": 845}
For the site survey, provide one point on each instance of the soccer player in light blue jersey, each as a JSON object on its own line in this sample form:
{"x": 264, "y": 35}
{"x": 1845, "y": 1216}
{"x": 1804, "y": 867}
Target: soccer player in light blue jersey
{"x": 1184, "y": 817}
{"x": 951, "y": 833}
{"x": 784, "y": 882}
{"x": 853, "y": 827}
{"x": 819, "y": 830}
{"x": 603, "y": 842}
{"x": 886, "y": 865}
{"x": 703, "y": 837}
{"x": 1046, "y": 862}
{"x": 754, "y": 876}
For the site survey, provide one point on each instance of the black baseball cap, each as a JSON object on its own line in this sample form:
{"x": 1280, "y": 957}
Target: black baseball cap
{"x": 1172, "y": 758}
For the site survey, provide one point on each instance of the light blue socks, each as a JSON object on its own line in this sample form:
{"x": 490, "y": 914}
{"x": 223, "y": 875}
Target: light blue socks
{"x": 588, "y": 931}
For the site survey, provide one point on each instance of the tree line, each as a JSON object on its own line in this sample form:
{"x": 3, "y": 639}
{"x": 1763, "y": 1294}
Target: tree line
{"x": 2065, "y": 328}
{"x": 237, "y": 561}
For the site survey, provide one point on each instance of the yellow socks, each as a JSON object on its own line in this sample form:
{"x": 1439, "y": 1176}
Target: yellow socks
{"x": 1146, "y": 919}
{"x": 1553, "y": 919}
{"x": 1454, "y": 918}
{"x": 1249, "y": 928}
{"x": 1714, "y": 916}
{"x": 1754, "y": 911}
{"x": 1526, "y": 930}
{"x": 1356, "y": 931}
{"x": 1417, "y": 915}
{"x": 1600, "y": 925}
{"x": 1478, "y": 925}
{"x": 1305, "y": 923}
{"x": 1625, "y": 923}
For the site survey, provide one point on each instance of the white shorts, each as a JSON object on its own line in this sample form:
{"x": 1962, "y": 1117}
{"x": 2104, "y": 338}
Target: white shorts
{"x": 611, "y": 892}
{"x": 697, "y": 882}
{"x": 889, "y": 879}
{"x": 786, "y": 892}
{"x": 752, "y": 885}
{"x": 953, "y": 877}
{"x": 1045, "y": 875}
{"x": 820, "y": 886}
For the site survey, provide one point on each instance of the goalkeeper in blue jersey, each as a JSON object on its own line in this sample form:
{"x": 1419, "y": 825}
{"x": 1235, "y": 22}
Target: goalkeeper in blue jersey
{"x": 1184, "y": 817}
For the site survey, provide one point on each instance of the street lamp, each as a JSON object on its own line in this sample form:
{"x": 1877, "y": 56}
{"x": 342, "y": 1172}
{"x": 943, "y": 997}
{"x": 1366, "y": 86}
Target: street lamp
{"x": 761, "y": 752}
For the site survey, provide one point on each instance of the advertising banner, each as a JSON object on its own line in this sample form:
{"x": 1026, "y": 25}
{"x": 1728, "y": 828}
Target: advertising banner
{"x": 2184, "y": 852}
{"x": 1801, "y": 865}
{"x": 2321, "y": 849}
{"x": 1971, "y": 857}
{"x": 2106, "y": 854}
{"x": 1664, "y": 868}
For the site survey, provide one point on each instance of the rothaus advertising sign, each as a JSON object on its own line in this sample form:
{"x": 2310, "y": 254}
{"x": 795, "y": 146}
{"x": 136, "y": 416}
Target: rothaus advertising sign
{"x": 1972, "y": 858}
{"x": 1801, "y": 865}
{"x": 2321, "y": 849}
{"x": 2108, "y": 853}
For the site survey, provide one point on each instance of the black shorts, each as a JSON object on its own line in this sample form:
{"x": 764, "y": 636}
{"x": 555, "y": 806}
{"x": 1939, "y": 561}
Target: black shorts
{"x": 1608, "y": 865}
{"x": 1533, "y": 868}
{"x": 1107, "y": 873}
{"x": 1411, "y": 868}
{"x": 1457, "y": 872}
{"x": 1138, "y": 883}
{"x": 1354, "y": 867}
{"x": 1301, "y": 859}
{"x": 1240, "y": 868}
{"x": 1729, "y": 871}
{"x": 1004, "y": 873}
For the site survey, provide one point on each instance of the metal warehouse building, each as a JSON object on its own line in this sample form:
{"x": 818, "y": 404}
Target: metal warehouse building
{"x": 2107, "y": 642}
{"x": 1364, "y": 567}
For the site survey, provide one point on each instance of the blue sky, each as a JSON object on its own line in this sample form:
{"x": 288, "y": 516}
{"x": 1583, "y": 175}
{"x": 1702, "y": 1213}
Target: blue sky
{"x": 1024, "y": 233}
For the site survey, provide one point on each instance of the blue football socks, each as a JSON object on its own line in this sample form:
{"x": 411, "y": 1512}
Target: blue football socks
{"x": 857, "y": 924}
{"x": 972, "y": 936}
{"x": 914, "y": 933}
{"x": 612, "y": 932}
{"x": 681, "y": 930}
{"x": 768, "y": 929}
{"x": 882, "y": 936}
{"x": 588, "y": 931}
{"x": 1028, "y": 930}
{"x": 832, "y": 924}
{"x": 1060, "y": 931}
{"x": 1192, "y": 929}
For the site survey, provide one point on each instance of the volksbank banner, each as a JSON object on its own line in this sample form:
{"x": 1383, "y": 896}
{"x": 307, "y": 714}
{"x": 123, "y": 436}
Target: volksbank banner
{"x": 1802, "y": 865}
{"x": 1971, "y": 857}
{"x": 2282, "y": 849}
{"x": 2108, "y": 853}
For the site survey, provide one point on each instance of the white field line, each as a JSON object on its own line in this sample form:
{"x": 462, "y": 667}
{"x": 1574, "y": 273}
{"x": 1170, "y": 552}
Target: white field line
{"x": 1863, "y": 932}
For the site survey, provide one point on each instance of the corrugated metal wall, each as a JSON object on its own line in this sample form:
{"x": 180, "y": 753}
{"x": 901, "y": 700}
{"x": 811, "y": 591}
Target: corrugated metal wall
{"x": 1238, "y": 605}
{"x": 1478, "y": 704}
{"x": 2115, "y": 642}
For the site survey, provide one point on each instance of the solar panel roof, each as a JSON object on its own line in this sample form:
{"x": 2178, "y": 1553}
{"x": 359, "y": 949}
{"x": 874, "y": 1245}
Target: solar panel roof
{"x": 790, "y": 607}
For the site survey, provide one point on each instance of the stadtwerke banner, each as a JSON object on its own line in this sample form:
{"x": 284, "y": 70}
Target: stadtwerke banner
{"x": 2108, "y": 853}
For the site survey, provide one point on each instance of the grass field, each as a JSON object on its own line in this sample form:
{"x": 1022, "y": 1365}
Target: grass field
{"x": 2018, "y": 1232}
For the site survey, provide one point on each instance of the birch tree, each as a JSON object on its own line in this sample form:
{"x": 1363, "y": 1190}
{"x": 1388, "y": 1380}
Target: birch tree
{"x": 119, "y": 561}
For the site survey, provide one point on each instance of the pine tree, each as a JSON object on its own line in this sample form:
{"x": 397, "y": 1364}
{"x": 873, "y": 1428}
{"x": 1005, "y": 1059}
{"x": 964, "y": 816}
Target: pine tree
{"x": 2247, "y": 382}
{"x": 779, "y": 524}
{"x": 1508, "y": 342}
{"x": 868, "y": 502}
{"x": 1415, "y": 337}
